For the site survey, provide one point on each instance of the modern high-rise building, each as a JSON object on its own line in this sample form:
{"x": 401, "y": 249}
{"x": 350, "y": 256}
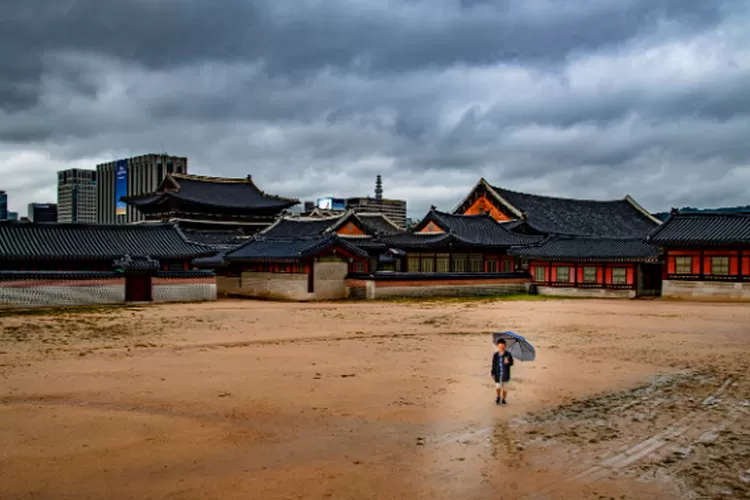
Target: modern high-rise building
{"x": 42, "y": 212}
{"x": 395, "y": 210}
{"x": 76, "y": 195}
{"x": 130, "y": 177}
{"x": 12, "y": 215}
{"x": 3, "y": 205}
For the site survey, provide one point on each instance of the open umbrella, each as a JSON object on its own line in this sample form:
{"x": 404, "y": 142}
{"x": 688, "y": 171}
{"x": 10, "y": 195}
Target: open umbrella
{"x": 518, "y": 346}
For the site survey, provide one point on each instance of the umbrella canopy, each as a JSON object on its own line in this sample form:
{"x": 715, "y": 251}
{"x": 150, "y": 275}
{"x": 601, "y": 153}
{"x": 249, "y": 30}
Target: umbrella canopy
{"x": 519, "y": 347}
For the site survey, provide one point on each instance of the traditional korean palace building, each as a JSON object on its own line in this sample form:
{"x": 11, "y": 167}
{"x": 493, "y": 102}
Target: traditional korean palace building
{"x": 587, "y": 247}
{"x": 299, "y": 258}
{"x": 214, "y": 211}
{"x": 52, "y": 264}
{"x": 706, "y": 255}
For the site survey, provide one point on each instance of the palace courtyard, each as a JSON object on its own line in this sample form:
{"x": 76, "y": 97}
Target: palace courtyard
{"x": 644, "y": 399}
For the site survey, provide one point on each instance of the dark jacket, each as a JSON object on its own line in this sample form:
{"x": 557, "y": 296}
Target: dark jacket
{"x": 496, "y": 370}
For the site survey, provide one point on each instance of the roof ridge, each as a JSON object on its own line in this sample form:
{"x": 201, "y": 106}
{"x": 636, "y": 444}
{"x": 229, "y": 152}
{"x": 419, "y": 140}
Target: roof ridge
{"x": 86, "y": 225}
{"x": 564, "y": 198}
{"x": 210, "y": 178}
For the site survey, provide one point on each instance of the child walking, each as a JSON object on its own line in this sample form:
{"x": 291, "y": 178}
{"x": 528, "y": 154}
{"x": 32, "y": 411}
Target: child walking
{"x": 501, "y": 363}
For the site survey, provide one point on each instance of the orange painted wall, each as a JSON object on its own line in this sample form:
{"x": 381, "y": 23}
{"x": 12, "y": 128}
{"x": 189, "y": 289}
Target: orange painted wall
{"x": 734, "y": 261}
{"x": 482, "y": 205}
{"x": 431, "y": 227}
{"x": 350, "y": 229}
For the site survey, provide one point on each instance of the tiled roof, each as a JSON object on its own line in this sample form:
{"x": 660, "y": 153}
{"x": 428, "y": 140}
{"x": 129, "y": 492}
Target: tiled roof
{"x": 404, "y": 239}
{"x": 290, "y": 249}
{"x": 590, "y": 249}
{"x": 378, "y": 223}
{"x": 703, "y": 228}
{"x": 479, "y": 230}
{"x": 214, "y": 238}
{"x": 614, "y": 218}
{"x": 47, "y": 241}
{"x": 299, "y": 227}
{"x": 306, "y": 227}
{"x": 215, "y": 191}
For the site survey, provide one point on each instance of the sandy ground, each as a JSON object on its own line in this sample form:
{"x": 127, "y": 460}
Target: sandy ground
{"x": 243, "y": 399}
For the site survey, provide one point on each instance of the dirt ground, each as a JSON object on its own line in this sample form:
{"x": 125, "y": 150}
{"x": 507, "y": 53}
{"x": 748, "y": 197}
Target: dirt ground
{"x": 244, "y": 399}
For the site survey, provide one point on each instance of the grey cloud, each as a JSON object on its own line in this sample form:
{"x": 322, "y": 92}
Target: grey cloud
{"x": 293, "y": 36}
{"x": 589, "y": 99}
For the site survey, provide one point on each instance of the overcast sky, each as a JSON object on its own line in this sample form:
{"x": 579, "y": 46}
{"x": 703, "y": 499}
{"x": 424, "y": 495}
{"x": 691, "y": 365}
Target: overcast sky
{"x": 588, "y": 98}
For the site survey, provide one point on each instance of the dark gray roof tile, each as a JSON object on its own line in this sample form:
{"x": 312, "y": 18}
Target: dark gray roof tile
{"x": 590, "y": 249}
{"x": 48, "y": 241}
{"x": 613, "y": 218}
{"x": 703, "y": 228}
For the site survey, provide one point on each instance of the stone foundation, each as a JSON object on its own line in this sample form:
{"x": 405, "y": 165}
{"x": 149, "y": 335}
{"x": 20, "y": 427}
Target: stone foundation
{"x": 601, "y": 293}
{"x": 706, "y": 290}
{"x": 402, "y": 287}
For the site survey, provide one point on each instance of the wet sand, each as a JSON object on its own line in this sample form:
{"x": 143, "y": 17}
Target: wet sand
{"x": 244, "y": 399}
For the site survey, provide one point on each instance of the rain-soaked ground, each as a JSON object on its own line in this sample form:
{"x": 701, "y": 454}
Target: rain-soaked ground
{"x": 626, "y": 400}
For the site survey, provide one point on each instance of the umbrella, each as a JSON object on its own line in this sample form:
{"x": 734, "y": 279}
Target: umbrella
{"x": 518, "y": 346}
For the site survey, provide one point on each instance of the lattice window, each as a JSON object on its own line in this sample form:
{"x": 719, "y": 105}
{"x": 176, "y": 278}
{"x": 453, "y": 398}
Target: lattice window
{"x": 442, "y": 263}
{"x": 619, "y": 276}
{"x": 563, "y": 274}
{"x": 720, "y": 266}
{"x": 589, "y": 274}
{"x": 683, "y": 265}
{"x": 540, "y": 273}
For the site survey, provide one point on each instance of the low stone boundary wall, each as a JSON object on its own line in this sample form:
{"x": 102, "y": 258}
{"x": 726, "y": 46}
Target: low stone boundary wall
{"x": 706, "y": 290}
{"x": 183, "y": 289}
{"x": 45, "y": 292}
{"x": 403, "y": 285}
{"x": 602, "y": 293}
{"x": 78, "y": 288}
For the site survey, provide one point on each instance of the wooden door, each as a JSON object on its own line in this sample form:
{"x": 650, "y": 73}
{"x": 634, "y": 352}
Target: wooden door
{"x": 138, "y": 288}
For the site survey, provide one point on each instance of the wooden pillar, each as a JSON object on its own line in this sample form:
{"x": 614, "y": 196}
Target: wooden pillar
{"x": 311, "y": 278}
{"x": 739, "y": 265}
{"x": 575, "y": 277}
{"x": 604, "y": 275}
{"x": 701, "y": 269}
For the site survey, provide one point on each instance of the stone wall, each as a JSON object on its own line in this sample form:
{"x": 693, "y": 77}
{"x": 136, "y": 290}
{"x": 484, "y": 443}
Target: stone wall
{"x": 383, "y": 289}
{"x": 61, "y": 292}
{"x": 705, "y": 290}
{"x": 227, "y": 285}
{"x": 282, "y": 286}
{"x": 329, "y": 284}
{"x": 187, "y": 289}
{"x": 330, "y": 280}
{"x": 602, "y": 293}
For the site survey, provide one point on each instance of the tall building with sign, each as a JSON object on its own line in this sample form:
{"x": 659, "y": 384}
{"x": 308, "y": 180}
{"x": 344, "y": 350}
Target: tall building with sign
{"x": 76, "y": 195}
{"x": 131, "y": 177}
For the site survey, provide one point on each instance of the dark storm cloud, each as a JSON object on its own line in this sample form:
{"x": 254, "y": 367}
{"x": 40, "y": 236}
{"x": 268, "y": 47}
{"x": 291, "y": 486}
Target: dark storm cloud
{"x": 293, "y": 36}
{"x": 591, "y": 98}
